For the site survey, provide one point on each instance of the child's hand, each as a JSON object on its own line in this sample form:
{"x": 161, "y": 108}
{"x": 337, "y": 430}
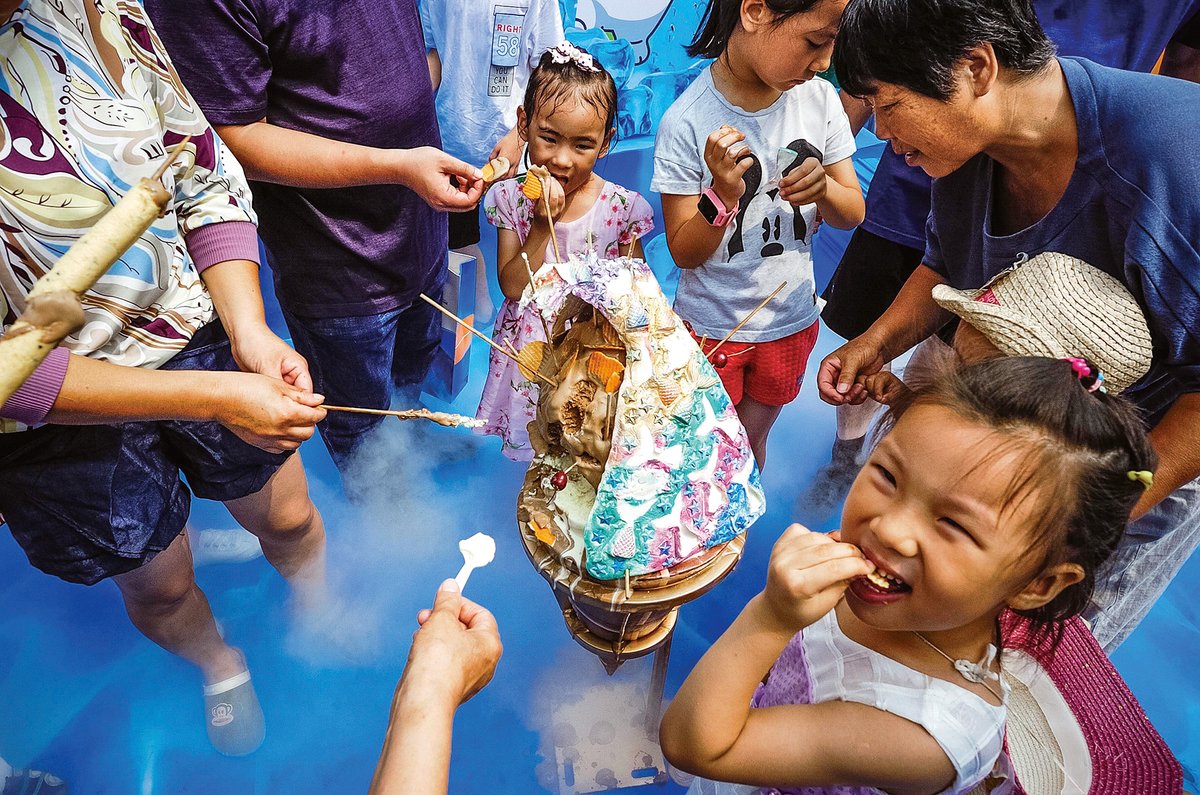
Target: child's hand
{"x": 883, "y": 387}
{"x": 808, "y": 574}
{"x": 552, "y": 193}
{"x": 805, "y": 184}
{"x": 726, "y": 156}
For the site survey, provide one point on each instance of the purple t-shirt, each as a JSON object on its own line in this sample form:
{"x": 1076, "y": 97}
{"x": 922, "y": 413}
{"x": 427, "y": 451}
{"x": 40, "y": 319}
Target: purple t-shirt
{"x": 350, "y": 70}
{"x": 1126, "y": 35}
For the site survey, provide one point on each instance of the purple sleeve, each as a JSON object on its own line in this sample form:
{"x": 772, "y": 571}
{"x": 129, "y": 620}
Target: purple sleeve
{"x": 228, "y": 68}
{"x": 223, "y": 241}
{"x": 32, "y": 402}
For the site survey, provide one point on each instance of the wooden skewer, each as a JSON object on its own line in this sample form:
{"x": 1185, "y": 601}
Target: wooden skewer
{"x": 746, "y": 319}
{"x": 550, "y": 220}
{"x": 476, "y": 332}
{"x": 541, "y": 317}
{"x": 440, "y": 418}
{"x": 171, "y": 157}
{"x": 632, "y": 243}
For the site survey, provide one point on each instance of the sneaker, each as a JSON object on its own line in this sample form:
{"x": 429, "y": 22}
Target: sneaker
{"x": 223, "y": 546}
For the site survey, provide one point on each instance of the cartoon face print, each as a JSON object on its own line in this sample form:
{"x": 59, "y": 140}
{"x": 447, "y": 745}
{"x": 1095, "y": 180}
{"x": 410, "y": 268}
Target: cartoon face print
{"x": 762, "y": 220}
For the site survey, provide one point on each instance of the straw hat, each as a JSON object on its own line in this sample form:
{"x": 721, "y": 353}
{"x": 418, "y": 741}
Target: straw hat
{"x": 1055, "y": 305}
{"x": 1073, "y": 725}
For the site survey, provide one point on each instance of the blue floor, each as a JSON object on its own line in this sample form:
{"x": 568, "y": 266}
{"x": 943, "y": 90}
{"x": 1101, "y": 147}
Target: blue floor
{"x": 84, "y": 695}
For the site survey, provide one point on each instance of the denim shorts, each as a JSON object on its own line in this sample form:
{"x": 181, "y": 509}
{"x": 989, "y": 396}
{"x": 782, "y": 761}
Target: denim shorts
{"x": 88, "y": 502}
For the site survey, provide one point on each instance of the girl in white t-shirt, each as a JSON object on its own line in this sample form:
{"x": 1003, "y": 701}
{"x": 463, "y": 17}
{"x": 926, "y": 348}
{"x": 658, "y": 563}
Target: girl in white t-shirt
{"x": 1003, "y": 485}
{"x": 745, "y": 160}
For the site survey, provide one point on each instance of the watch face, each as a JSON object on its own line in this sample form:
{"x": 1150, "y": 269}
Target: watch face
{"x": 707, "y": 209}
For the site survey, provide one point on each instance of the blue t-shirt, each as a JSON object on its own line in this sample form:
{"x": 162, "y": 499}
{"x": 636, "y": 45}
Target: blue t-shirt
{"x": 350, "y": 70}
{"x": 1125, "y": 35}
{"x": 1131, "y": 208}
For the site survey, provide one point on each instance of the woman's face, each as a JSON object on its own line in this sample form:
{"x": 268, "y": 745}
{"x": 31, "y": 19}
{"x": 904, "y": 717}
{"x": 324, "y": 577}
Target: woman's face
{"x": 937, "y": 136}
{"x": 931, "y": 510}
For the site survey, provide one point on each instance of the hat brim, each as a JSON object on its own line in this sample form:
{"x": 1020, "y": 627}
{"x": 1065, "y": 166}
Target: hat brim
{"x": 1013, "y": 333}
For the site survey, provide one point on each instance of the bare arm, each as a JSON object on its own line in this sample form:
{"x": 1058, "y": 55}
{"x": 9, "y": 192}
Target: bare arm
{"x": 1174, "y": 439}
{"x": 265, "y": 412}
{"x": 453, "y": 656}
{"x": 690, "y": 238}
{"x": 912, "y": 317}
{"x": 512, "y": 273}
{"x": 710, "y": 728}
{"x": 270, "y": 153}
{"x": 233, "y": 285}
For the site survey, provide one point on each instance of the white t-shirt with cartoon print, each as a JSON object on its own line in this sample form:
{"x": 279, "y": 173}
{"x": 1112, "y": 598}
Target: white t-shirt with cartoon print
{"x": 769, "y": 241}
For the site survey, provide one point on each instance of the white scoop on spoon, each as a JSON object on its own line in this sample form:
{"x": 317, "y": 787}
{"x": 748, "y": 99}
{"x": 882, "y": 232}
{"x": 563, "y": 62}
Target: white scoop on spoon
{"x": 477, "y": 551}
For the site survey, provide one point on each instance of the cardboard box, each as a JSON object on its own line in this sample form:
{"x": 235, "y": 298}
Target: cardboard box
{"x": 452, "y": 360}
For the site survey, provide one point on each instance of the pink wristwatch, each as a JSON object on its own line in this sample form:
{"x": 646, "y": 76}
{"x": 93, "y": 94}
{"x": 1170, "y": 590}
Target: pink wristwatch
{"x": 713, "y": 209}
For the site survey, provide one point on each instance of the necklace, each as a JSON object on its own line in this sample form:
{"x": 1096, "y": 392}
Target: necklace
{"x": 977, "y": 672}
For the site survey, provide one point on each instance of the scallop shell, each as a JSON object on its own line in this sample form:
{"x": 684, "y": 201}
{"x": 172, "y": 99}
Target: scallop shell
{"x": 624, "y": 545}
{"x": 494, "y": 169}
{"x": 529, "y": 358}
{"x": 668, "y": 389}
{"x": 637, "y": 318}
{"x": 607, "y": 370}
{"x": 532, "y": 186}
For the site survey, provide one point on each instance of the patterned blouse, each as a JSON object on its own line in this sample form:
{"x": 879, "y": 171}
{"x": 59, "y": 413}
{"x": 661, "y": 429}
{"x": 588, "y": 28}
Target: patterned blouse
{"x": 89, "y": 104}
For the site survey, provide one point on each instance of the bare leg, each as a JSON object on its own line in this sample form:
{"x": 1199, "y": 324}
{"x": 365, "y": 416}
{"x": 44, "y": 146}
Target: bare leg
{"x": 165, "y": 604}
{"x": 757, "y": 419}
{"x": 288, "y": 526}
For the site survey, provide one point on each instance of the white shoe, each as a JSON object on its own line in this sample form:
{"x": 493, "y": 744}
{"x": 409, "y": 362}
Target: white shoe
{"x": 223, "y": 546}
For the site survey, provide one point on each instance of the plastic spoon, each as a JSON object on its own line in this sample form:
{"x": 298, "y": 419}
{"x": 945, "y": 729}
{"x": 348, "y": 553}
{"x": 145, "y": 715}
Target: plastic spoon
{"x": 477, "y": 551}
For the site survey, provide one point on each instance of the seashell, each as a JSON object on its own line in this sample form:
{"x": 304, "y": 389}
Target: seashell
{"x": 668, "y": 389}
{"x": 624, "y": 544}
{"x": 532, "y": 186}
{"x": 529, "y": 358}
{"x": 637, "y": 318}
{"x": 607, "y": 370}
{"x": 494, "y": 169}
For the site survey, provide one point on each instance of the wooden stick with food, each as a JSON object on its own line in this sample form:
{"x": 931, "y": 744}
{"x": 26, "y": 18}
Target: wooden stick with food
{"x": 52, "y": 309}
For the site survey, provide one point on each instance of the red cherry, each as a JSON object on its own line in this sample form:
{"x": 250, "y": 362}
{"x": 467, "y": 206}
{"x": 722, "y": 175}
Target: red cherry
{"x": 559, "y": 480}
{"x": 720, "y": 359}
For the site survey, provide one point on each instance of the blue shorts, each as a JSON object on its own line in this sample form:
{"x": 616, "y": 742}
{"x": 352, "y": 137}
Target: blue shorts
{"x": 87, "y": 502}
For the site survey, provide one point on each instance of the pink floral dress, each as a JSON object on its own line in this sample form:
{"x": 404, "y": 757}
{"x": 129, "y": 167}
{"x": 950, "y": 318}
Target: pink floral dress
{"x": 608, "y": 228}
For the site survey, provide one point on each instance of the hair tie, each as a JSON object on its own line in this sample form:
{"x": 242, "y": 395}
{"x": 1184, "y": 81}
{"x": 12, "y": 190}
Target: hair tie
{"x": 567, "y": 52}
{"x": 1143, "y": 476}
{"x": 1089, "y": 376}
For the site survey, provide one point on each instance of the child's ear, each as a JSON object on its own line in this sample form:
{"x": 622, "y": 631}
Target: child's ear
{"x": 1043, "y": 589}
{"x": 522, "y": 124}
{"x": 755, "y": 15}
{"x": 607, "y": 141}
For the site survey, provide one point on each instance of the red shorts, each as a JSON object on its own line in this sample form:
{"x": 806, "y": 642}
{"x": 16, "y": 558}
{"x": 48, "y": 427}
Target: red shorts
{"x": 769, "y": 372}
